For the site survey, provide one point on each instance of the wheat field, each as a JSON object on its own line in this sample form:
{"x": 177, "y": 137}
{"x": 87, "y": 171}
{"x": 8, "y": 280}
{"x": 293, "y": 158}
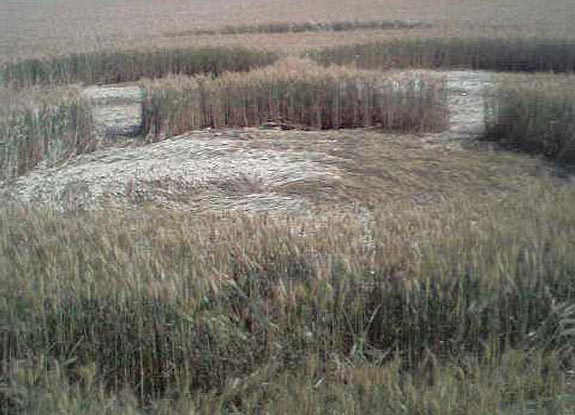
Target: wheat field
{"x": 297, "y": 226}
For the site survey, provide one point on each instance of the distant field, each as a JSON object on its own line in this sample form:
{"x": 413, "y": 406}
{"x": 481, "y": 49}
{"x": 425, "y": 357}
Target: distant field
{"x": 30, "y": 28}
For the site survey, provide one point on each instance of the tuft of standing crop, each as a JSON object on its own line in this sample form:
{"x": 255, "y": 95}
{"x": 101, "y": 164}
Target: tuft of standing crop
{"x": 117, "y": 66}
{"x": 301, "y": 94}
{"x": 534, "y": 113}
{"x": 42, "y": 124}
